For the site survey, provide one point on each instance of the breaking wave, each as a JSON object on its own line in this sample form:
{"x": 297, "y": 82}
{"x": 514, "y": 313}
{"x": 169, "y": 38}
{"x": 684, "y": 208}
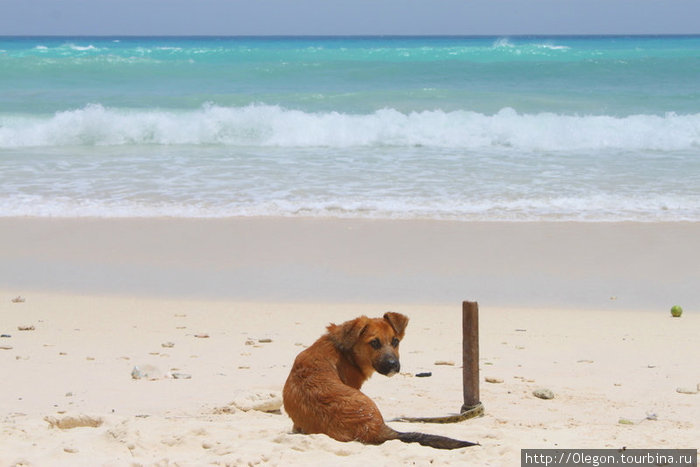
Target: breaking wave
{"x": 273, "y": 126}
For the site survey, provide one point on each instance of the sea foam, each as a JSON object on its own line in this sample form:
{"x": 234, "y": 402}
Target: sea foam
{"x": 267, "y": 125}
{"x": 593, "y": 208}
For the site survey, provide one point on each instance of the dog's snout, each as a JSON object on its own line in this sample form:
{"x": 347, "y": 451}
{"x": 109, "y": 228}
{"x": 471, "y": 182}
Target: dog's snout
{"x": 388, "y": 365}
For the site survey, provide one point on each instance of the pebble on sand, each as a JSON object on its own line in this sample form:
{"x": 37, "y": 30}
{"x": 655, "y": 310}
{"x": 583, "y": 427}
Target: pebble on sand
{"x": 543, "y": 393}
{"x": 28, "y": 327}
{"x": 491, "y": 379}
{"x": 687, "y": 390}
{"x": 148, "y": 372}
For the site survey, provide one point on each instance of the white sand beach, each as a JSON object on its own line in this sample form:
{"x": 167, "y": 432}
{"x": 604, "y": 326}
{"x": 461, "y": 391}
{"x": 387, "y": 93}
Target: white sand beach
{"x": 216, "y": 311}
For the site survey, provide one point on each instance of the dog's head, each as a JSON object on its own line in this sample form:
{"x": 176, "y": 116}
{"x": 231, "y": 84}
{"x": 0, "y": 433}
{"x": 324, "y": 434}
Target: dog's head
{"x": 372, "y": 343}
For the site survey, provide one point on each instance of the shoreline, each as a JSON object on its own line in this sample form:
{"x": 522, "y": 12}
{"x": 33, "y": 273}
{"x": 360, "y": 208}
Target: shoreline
{"x": 513, "y": 264}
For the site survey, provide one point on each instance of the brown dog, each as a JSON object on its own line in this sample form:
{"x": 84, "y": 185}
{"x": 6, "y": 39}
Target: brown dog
{"x": 322, "y": 393}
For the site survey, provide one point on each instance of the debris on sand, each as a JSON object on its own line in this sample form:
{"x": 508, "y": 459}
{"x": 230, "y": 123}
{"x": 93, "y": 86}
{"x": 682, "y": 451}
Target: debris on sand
{"x": 148, "y": 372}
{"x": 543, "y": 393}
{"x": 73, "y": 421}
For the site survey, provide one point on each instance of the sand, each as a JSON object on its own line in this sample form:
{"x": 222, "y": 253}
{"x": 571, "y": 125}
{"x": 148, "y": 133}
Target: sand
{"x": 216, "y": 310}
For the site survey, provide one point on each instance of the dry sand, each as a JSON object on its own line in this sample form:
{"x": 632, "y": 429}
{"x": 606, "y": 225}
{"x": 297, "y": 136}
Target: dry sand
{"x": 225, "y": 305}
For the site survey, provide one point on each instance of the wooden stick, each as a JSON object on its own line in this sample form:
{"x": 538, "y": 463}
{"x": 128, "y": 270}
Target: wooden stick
{"x": 470, "y": 354}
{"x": 470, "y": 371}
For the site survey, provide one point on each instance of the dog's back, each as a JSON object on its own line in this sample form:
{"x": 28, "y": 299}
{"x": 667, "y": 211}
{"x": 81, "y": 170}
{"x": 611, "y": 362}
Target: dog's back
{"x": 318, "y": 401}
{"x": 322, "y": 393}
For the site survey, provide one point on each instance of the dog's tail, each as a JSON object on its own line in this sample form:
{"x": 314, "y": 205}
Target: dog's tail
{"x": 434, "y": 441}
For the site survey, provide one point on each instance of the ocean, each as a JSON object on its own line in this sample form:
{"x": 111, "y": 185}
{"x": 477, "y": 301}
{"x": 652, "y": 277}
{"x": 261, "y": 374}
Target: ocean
{"x": 456, "y": 128}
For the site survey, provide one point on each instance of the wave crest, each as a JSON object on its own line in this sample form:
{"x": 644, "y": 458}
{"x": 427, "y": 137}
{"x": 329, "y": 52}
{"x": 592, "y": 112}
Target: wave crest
{"x": 268, "y": 125}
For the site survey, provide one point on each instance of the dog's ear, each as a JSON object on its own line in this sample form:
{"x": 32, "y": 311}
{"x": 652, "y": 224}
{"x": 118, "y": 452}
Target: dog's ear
{"x": 398, "y": 322}
{"x": 346, "y": 335}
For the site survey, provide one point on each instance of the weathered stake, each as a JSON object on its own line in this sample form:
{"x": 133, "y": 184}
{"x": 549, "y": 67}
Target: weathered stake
{"x": 470, "y": 371}
{"x": 470, "y": 355}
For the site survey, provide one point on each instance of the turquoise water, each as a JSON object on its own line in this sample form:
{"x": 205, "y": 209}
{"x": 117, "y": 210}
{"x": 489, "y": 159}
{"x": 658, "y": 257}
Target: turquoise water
{"x": 523, "y": 128}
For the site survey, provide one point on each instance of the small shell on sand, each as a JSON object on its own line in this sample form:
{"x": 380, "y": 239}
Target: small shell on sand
{"x": 444, "y": 362}
{"x": 178, "y": 375}
{"x": 491, "y": 379}
{"x": 28, "y": 327}
{"x": 149, "y": 372}
{"x": 687, "y": 390}
{"x": 543, "y": 393}
{"x": 168, "y": 345}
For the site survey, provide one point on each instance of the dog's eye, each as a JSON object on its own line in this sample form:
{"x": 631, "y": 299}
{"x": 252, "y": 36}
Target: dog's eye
{"x": 375, "y": 344}
{"x": 394, "y": 342}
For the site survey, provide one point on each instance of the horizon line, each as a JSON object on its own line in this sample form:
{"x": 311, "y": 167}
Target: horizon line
{"x": 332, "y": 36}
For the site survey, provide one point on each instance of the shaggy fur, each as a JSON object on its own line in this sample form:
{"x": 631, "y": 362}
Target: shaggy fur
{"x": 322, "y": 393}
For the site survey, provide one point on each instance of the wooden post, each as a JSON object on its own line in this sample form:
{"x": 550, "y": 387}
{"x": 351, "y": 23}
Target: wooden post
{"x": 470, "y": 371}
{"x": 470, "y": 355}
